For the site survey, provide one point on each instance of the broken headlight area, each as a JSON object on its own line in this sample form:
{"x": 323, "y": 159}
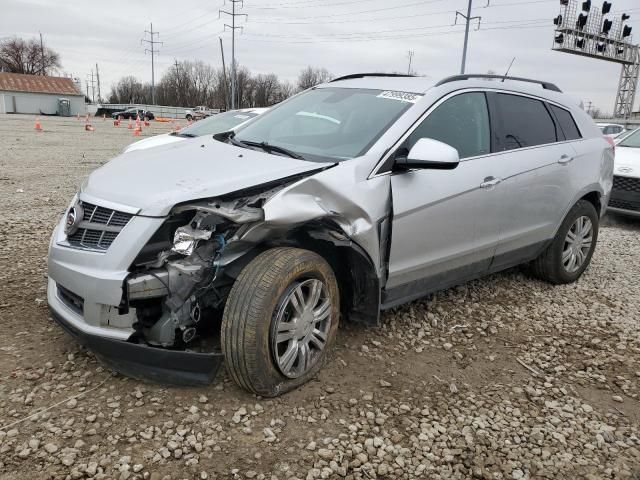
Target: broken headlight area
{"x": 177, "y": 285}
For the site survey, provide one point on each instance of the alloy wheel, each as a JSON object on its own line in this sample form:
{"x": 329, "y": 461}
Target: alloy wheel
{"x": 577, "y": 244}
{"x": 301, "y": 327}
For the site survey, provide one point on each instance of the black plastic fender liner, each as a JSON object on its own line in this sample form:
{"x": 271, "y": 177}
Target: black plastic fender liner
{"x": 169, "y": 367}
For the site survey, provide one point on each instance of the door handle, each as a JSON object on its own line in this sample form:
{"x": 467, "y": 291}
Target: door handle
{"x": 564, "y": 159}
{"x": 490, "y": 182}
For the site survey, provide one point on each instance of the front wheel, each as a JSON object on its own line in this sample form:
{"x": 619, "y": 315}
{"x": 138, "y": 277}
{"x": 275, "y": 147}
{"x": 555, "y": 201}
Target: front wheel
{"x": 280, "y": 320}
{"x": 569, "y": 255}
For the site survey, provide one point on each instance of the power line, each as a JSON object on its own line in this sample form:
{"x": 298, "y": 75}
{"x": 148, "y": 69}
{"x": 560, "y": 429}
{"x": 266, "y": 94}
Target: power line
{"x": 395, "y": 37}
{"x": 153, "y": 51}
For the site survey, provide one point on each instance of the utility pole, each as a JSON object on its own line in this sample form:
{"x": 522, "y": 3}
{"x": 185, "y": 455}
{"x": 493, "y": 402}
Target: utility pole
{"x": 93, "y": 88}
{"x": 153, "y": 51}
{"x": 233, "y": 28}
{"x": 44, "y": 71}
{"x": 98, "y": 78}
{"x": 224, "y": 77}
{"x": 410, "y": 55}
{"x": 468, "y": 18}
{"x": 589, "y": 104}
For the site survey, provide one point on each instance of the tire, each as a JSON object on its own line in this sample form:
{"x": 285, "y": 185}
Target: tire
{"x": 189, "y": 117}
{"x": 256, "y": 310}
{"x": 549, "y": 266}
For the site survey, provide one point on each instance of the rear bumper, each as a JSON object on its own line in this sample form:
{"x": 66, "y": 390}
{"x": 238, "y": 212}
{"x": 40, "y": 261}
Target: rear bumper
{"x": 144, "y": 362}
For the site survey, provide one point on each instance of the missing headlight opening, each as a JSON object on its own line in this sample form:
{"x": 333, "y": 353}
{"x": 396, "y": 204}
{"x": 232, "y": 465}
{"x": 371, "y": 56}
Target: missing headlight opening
{"x": 178, "y": 295}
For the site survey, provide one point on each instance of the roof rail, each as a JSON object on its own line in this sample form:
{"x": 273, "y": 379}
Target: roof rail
{"x": 455, "y": 78}
{"x": 362, "y": 75}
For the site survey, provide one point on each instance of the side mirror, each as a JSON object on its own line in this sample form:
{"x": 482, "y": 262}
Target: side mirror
{"x": 431, "y": 154}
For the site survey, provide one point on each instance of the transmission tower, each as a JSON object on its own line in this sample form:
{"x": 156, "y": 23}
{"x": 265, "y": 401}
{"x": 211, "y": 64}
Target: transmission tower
{"x": 233, "y": 28}
{"x": 152, "y": 42}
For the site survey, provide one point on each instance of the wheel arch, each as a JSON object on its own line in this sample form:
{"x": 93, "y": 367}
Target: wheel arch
{"x": 355, "y": 272}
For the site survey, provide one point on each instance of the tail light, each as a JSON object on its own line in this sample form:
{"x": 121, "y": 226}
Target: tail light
{"x": 611, "y": 142}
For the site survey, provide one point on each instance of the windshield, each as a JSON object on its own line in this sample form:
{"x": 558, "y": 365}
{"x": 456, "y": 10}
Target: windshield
{"x": 329, "y": 124}
{"x": 632, "y": 140}
{"x": 219, "y": 123}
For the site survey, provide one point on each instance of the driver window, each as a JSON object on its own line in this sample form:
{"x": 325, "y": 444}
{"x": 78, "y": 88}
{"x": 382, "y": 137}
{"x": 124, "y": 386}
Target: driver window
{"x": 461, "y": 122}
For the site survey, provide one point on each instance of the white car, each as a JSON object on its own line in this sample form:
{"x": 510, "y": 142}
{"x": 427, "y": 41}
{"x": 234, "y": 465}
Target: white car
{"x": 611, "y": 130}
{"x": 625, "y": 196}
{"x": 219, "y": 123}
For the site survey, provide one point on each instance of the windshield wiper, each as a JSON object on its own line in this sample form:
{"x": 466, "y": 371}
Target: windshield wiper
{"x": 267, "y": 147}
{"x": 230, "y": 137}
{"x": 187, "y": 135}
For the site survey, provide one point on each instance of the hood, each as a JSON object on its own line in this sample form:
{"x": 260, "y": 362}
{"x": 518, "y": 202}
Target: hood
{"x": 627, "y": 161}
{"x": 157, "y": 179}
{"x": 154, "y": 141}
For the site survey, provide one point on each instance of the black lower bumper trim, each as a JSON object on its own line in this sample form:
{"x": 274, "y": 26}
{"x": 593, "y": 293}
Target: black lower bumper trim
{"x": 160, "y": 365}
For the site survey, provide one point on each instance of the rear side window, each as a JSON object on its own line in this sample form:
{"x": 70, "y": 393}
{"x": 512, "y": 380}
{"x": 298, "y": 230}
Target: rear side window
{"x": 567, "y": 123}
{"x": 526, "y": 122}
{"x": 461, "y": 122}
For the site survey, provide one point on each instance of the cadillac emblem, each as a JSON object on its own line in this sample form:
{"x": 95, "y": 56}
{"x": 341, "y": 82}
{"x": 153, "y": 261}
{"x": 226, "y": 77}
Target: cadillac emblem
{"x": 74, "y": 217}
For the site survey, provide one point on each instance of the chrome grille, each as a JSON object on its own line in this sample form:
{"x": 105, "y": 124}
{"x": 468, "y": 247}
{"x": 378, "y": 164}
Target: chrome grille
{"x": 627, "y": 184}
{"x": 105, "y": 216}
{"x": 99, "y": 228}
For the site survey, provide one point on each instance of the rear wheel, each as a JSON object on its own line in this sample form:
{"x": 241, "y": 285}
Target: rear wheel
{"x": 570, "y": 253}
{"x": 280, "y": 320}
{"x": 189, "y": 117}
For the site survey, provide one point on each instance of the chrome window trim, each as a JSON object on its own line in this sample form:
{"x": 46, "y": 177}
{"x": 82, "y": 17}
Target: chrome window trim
{"x": 375, "y": 172}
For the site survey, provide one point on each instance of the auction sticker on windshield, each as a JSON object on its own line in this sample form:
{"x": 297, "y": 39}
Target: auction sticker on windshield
{"x": 401, "y": 96}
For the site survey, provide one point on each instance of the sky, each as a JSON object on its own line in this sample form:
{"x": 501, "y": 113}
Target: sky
{"x": 343, "y": 36}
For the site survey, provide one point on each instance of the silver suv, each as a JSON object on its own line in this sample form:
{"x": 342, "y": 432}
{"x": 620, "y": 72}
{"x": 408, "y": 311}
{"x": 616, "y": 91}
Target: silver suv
{"x": 350, "y": 198}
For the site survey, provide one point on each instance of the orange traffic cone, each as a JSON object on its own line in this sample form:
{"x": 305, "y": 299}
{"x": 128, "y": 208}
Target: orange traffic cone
{"x": 137, "y": 131}
{"x": 116, "y": 123}
{"x": 130, "y": 126}
{"x": 104, "y": 117}
{"x": 146, "y": 123}
{"x": 88, "y": 127}
{"x": 78, "y": 116}
{"x": 37, "y": 127}
{"x": 176, "y": 127}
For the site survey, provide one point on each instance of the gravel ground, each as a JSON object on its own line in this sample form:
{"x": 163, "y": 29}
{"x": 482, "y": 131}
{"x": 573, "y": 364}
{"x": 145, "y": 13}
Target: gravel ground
{"x": 503, "y": 378}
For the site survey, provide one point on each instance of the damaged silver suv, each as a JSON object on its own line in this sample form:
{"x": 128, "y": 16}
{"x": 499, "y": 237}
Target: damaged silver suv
{"x": 350, "y": 198}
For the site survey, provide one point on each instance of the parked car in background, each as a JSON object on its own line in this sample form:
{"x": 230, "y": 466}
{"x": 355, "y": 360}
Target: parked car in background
{"x": 133, "y": 113}
{"x": 200, "y": 112}
{"x": 625, "y": 196}
{"x": 352, "y": 197}
{"x": 611, "y": 130}
{"x": 221, "y": 122}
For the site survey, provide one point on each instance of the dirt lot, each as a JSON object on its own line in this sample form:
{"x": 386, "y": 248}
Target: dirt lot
{"x": 506, "y": 377}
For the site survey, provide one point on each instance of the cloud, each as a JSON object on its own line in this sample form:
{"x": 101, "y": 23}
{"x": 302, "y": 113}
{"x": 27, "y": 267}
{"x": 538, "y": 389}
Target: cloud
{"x": 344, "y": 36}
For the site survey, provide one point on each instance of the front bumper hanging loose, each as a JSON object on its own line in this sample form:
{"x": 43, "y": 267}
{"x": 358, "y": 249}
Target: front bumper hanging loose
{"x": 143, "y": 362}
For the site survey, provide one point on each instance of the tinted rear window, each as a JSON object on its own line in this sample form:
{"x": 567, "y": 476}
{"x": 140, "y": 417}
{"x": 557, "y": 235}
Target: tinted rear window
{"x": 567, "y": 123}
{"x": 526, "y": 122}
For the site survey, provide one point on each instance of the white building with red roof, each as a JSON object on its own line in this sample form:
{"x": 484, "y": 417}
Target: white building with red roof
{"x": 38, "y": 94}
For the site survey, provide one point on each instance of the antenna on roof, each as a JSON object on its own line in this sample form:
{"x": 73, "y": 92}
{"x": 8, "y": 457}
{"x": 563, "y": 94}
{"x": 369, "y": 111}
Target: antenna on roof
{"x": 508, "y": 69}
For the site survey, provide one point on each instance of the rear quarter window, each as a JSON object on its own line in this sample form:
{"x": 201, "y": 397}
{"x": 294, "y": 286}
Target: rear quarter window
{"x": 567, "y": 123}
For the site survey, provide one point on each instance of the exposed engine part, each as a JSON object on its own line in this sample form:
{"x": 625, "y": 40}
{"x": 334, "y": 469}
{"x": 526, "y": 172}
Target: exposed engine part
{"x": 184, "y": 286}
{"x": 188, "y": 334}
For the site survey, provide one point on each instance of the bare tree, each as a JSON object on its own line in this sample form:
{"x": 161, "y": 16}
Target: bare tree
{"x": 310, "y": 77}
{"x": 25, "y": 56}
{"x": 129, "y": 90}
{"x": 266, "y": 90}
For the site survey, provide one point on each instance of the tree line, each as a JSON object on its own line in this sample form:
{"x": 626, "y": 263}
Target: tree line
{"x": 191, "y": 83}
